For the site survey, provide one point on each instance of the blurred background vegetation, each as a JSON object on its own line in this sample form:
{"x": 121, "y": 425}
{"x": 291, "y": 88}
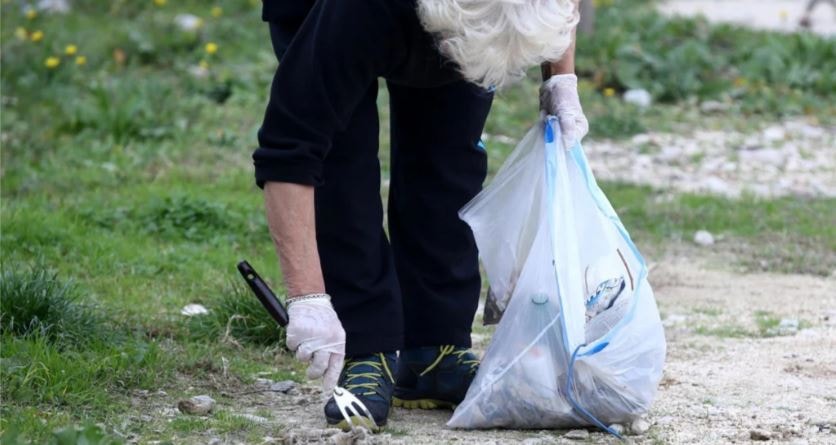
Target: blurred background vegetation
{"x": 127, "y": 189}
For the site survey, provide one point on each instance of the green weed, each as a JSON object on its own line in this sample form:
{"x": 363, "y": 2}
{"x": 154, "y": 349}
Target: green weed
{"x": 35, "y": 303}
{"x": 709, "y": 311}
{"x": 724, "y": 331}
{"x": 237, "y": 315}
{"x": 85, "y": 435}
{"x": 680, "y": 58}
{"x": 785, "y": 234}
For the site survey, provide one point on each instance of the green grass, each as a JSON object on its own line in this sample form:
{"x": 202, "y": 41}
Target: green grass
{"x": 765, "y": 324}
{"x": 127, "y": 193}
{"x": 724, "y": 331}
{"x": 36, "y": 303}
{"x": 784, "y": 234}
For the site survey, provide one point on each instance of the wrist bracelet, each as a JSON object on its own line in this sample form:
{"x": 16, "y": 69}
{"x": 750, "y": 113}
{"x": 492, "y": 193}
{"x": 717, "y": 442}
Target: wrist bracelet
{"x": 291, "y": 300}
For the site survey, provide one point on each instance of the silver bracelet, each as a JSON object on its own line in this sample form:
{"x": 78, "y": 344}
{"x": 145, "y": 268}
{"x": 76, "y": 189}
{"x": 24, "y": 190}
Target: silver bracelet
{"x": 291, "y": 300}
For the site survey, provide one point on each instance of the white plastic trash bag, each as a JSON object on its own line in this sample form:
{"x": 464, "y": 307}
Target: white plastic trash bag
{"x": 581, "y": 341}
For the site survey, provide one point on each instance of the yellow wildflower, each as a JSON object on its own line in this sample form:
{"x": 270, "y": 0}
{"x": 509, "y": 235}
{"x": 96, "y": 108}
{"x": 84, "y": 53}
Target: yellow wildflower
{"x": 784, "y": 15}
{"x": 21, "y": 33}
{"x": 31, "y": 14}
{"x": 211, "y": 48}
{"x": 204, "y": 65}
{"x": 37, "y": 36}
{"x": 52, "y": 62}
{"x": 160, "y": 2}
{"x": 609, "y": 92}
{"x": 70, "y": 50}
{"x": 80, "y": 60}
{"x": 216, "y": 11}
{"x": 740, "y": 82}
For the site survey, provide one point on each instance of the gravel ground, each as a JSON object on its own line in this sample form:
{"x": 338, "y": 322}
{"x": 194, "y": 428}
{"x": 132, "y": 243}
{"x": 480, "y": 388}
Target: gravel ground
{"x": 777, "y": 15}
{"x": 789, "y": 158}
{"x": 728, "y": 379}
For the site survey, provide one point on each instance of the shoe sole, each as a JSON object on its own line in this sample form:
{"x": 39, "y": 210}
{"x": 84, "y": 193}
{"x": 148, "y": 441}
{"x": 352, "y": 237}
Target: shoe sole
{"x": 397, "y": 402}
{"x": 357, "y": 421}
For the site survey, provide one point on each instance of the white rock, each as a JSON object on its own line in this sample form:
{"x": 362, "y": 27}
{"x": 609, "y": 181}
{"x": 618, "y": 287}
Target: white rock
{"x": 639, "y": 426}
{"x": 190, "y": 310}
{"x": 198, "y": 71}
{"x": 716, "y": 185}
{"x": 770, "y": 156}
{"x": 704, "y": 238}
{"x": 61, "y": 6}
{"x": 641, "y": 139}
{"x": 197, "y": 405}
{"x": 774, "y": 134}
{"x": 713, "y": 106}
{"x": 787, "y": 326}
{"x": 577, "y": 435}
{"x": 188, "y": 22}
{"x": 760, "y": 435}
{"x": 617, "y": 428}
{"x": 638, "y": 97}
{"x": 674, "y": 319}
{"x": 539, "y": 441}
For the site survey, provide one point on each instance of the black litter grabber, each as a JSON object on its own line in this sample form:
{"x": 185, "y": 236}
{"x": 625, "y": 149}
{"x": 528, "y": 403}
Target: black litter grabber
{"x": 265, "y": 295}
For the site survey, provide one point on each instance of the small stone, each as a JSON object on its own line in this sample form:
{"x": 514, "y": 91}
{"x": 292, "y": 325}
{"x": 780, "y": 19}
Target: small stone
{"x": 617, "y": 428}
{"x": 713, "y": 184}
{"x": 713, "y": 106}
{"x": 639, "y": 97}
{"x": 639, "y": 426}
{"x": 190, "y": 310}
{"x": 674, "y": 319}
{"x": 284, "y": 387}
{"x": 775, "y": 133}
{"x": 788, "y": 326}
{"x": 355, "y": 435}
{"x": 577, "y": 435}
{"x": 539, "y": 441}
{"x": 60, "y": 6}
{"x": 760, "y": 435}
{"x": 187, "y": 22}
{"x": 641, "y": 139}
{"x": 198, "y": 405}
{"x": 823, "y": 423}
{"x": 704, "y": 238}
{"x": 215, "y": 441}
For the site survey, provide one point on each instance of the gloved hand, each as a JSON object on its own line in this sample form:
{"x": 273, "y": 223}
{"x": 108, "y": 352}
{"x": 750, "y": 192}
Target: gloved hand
{"x": 317, "y": 336}
{"x": 559, "y": 97}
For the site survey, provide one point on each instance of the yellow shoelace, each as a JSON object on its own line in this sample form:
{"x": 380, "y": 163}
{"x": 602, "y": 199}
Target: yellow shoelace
{"x": 446, "y": 350}
{"x": 369, "y": 375}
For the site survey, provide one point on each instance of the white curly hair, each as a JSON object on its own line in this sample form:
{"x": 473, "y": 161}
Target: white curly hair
{"x": 495, "y": 41}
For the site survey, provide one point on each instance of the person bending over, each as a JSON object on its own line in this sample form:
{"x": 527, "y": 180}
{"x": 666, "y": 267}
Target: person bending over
{"x": 356, "y": 295}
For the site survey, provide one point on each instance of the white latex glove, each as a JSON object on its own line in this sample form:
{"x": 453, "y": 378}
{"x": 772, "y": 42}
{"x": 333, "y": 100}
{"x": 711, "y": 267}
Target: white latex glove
{"x": 559, "y": 97}
{"x": 317, "y": 336}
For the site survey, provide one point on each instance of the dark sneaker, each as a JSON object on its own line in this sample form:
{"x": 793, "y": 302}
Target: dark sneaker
{"x": 434, "y": 377}
{"x": 370, "y": 379}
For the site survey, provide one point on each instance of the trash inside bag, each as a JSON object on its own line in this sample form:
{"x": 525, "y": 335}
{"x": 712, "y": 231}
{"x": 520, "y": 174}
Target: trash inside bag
{"x": 580, "y": 341}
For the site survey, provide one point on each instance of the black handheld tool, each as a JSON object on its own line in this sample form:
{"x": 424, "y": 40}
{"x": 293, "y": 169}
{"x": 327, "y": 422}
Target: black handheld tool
{"x": 264, "y": 293}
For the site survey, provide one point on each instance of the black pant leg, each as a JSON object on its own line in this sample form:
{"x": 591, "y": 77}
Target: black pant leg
{"x": 438, "y": 166}
{"x": 356, "y": 259}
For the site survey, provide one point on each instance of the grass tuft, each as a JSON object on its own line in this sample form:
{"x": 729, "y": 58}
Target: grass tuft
{"x": 191, "y": 218}
{"x": 36, "y": 303}
{"x": 237, "y": 316}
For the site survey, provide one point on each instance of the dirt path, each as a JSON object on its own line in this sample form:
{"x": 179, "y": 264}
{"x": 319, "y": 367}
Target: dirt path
{"x": 732, "y": 373}
{"x": 792, "y": 157}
